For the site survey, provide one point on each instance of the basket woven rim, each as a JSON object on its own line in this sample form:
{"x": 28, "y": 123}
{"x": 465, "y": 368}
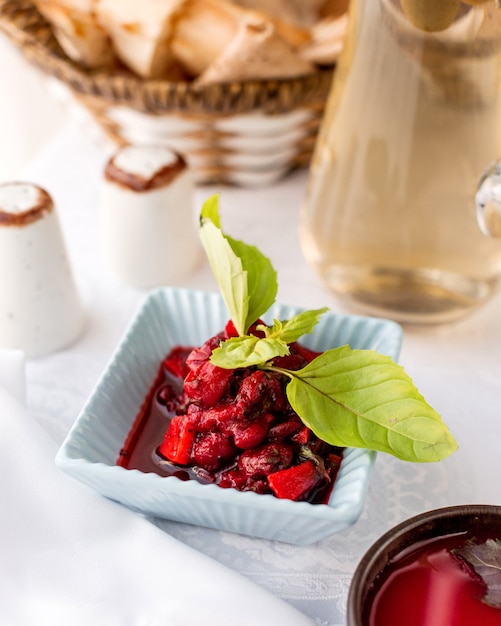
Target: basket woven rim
{"x": 24, "y": 25}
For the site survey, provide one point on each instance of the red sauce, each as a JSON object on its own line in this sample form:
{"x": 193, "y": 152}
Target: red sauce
{"x": 428, "y": 586}
{"x": 140, "y": 448}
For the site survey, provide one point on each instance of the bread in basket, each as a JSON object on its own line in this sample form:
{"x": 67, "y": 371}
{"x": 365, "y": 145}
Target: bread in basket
{"x": 244, "y": 110}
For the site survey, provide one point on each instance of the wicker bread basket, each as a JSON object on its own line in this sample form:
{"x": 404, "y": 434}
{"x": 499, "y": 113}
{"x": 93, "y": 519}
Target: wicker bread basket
{"x": 245, "y": 133}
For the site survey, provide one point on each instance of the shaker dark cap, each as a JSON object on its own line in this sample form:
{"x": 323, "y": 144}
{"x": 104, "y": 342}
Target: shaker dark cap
{"x": 23, "y": 203}
{"x": 142, "y": 169}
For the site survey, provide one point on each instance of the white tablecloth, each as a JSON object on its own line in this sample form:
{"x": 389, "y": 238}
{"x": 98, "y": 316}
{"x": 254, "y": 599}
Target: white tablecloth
{"x": 457, "y": 367}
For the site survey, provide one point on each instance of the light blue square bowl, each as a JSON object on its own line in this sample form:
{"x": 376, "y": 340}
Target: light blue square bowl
{"x": 173, "y": 316}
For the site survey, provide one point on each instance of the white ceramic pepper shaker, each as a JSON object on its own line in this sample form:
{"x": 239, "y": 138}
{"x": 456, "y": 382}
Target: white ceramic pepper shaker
{"x": 40, "y": 309}
{"x": 149, "y": 232}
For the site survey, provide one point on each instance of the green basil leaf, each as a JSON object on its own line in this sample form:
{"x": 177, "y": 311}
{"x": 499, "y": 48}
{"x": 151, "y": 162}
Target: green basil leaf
{"x": 210, "y": 210}
{"x": 362, "y": 399}
{"x": 299, "y": 325}
{"x": 246, "y": 278}
{"x": 228, "y": 272}
{"x": 246, "y": 351}
{"x": 261, "y": 280}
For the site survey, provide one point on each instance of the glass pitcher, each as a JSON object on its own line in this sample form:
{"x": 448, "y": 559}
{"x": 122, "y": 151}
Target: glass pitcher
{"x": 411, "y": 125}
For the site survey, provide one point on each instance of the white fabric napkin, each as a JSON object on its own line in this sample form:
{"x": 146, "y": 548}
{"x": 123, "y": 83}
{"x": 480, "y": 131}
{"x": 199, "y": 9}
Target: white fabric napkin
{"x": 69, "y": 556}
{"x": 12, "y": 375}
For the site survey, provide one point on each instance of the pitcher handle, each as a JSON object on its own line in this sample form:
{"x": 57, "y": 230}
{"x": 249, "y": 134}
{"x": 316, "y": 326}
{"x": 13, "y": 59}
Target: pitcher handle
{"x": 488, "y": 201}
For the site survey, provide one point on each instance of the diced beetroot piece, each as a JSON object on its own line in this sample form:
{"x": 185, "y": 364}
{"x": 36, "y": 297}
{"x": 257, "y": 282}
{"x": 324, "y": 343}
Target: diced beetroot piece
{"x": 332, "y": 464}
{"x": 232, "y": 478}
{"x": 302, "y": 436}
{"x": 207, "y": 384}
{"x": 194, "y": 413}
{"x": 257, "y": 486}
{"x": 298, "y": 358}
{"x": 175, "y": 361}
{"x": 260, "y": 389}
{"x": 230, "y": 330}
{"x": 200, "y": 355}
{"x": 166, "y": 396}
{"x": 254, "y": 331}
{"x": 285, "y": 429}
{"x": 251, "y": 390}
{"x": 178, "y": 440}
{"x": 306, "y": 353}
{"x": 316, "y": 446}
{"x": 238, "y": 480}
{"x": 249, "y": 433}
{"x": 266, "y": 459}
{"x": 296, "y": 482}
{"x": 290, "y": 362}
{"x": 274, "y": 396}
{"x": 220, "y": 417}
{"x": 334, "y": 459}
{"x": 212, "y": 450}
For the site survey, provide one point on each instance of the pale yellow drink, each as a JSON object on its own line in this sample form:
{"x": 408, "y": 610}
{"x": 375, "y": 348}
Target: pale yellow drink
{"x": 413, "y": 121}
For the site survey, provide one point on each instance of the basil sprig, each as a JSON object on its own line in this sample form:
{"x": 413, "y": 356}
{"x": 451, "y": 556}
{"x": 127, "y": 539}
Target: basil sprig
{"x": 246, "y": 278}
{"x": 352, "y": 398}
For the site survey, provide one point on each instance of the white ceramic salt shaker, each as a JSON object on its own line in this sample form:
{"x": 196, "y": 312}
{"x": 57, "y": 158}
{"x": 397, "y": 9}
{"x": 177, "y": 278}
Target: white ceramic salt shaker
{"x": 149, "y": 232}
{"x": 40, "y": 309}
